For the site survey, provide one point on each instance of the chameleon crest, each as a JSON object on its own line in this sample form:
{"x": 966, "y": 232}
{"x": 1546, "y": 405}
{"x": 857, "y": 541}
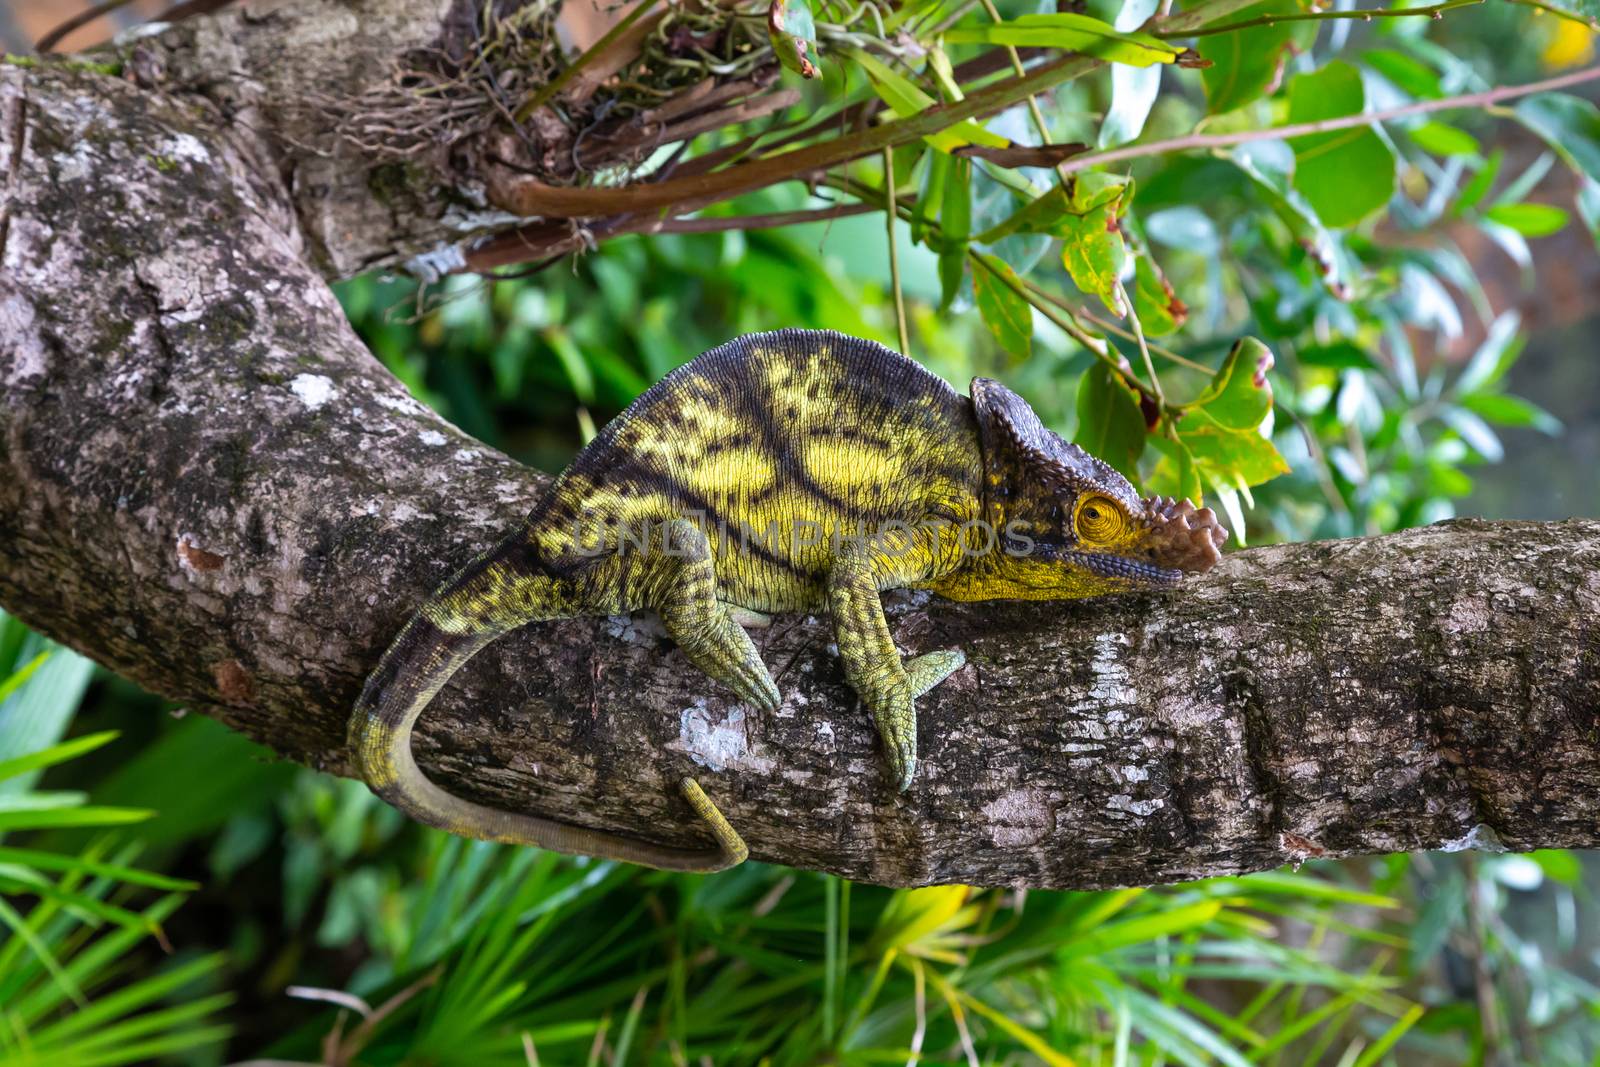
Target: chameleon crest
{"x": 798, "y": 470}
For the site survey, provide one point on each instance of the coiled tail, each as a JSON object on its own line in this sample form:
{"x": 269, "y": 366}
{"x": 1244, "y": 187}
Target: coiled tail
{"x": 494, "y": 594}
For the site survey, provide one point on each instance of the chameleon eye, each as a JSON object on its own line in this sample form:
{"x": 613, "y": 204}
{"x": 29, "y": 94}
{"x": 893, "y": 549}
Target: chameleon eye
{"x": 1098, "y": 519}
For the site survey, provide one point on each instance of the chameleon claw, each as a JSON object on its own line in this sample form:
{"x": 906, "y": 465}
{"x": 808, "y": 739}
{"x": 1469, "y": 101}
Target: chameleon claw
{"x": 928, "y": 670}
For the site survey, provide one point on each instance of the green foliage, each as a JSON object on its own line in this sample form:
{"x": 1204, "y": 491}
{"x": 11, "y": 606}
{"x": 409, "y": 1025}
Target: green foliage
{"x": 71, "y": 927}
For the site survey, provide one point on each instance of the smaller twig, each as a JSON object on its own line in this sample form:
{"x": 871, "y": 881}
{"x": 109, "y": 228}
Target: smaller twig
{"x": 1144, "y": 347}
{"x": 1343, "y": 122}
{"x": 48, "y": 42}
{"x": 890, "y": 200}
{"x": 177, "y": 12}
{"x": 771, "y": 220}
{"x": 1433, "y": 11}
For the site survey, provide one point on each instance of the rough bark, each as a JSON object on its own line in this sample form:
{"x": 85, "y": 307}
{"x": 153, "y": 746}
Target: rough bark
{"x": 208, "y": 485}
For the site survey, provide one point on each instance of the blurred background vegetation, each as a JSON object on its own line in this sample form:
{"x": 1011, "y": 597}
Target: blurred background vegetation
{"x": 170, "y": 893}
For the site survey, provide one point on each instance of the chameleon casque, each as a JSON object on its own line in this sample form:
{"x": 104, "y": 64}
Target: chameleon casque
{"x": 798, "y": 470}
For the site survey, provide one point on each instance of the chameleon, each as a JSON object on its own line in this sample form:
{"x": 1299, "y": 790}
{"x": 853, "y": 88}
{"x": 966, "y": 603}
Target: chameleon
{"x": 790, "y": 471}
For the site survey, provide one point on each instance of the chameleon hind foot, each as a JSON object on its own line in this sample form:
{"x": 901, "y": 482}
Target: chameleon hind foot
{"x": 734, "y": 850}
{"x": 701, "y": 625}
{"x": 931, "y": 668}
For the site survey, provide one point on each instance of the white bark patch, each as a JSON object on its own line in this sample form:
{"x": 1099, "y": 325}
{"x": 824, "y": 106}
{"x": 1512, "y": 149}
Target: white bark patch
{"x": 431, "y": 437}
{"x": 314, "y": 390}
{"x": 186, "y": 147}
{"x": 1018, "y": 818}
{"x": 1111, "y": 685}
{"x": 715, "y": 745}
{"x": 28, "y": 358}
{"x": 430, "y": 266}
{"x": 1481, "y": 837}
{"x": 1124, "y": 802}
{"x": 405, "y": 405}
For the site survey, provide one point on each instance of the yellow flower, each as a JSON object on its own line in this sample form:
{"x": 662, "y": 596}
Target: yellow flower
{"x": 1571, "y": 44}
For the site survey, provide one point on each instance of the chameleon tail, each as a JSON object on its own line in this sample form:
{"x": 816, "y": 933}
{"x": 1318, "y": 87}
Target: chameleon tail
{"x": 472, "y": 609}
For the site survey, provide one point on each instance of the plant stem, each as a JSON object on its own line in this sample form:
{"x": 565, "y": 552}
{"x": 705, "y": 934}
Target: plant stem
{"x": 1365, "y": 14}
{"x": 890, "y": 200}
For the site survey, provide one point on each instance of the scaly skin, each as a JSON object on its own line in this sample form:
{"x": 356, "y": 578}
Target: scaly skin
{"x": 789, "y": 471}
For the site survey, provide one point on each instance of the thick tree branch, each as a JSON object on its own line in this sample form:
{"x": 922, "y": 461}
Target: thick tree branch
{"x": 209, "y": 485}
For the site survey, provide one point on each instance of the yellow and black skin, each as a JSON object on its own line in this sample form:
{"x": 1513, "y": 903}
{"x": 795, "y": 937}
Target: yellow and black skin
{"x": 798, "y": 470}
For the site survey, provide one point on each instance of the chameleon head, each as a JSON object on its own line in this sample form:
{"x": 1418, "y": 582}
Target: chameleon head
{"x": 1070, "y": 524}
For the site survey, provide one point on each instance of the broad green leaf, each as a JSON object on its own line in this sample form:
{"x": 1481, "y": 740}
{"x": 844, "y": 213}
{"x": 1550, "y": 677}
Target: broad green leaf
{"x": 1505, "y": 410}
{"x": 1228, "y": 457}
{"x": 1443, "y": 140}
{"x": 1092, "y": 248}
{"x": 1247, "y": 64}
{"x": 1071, "y": 33}
{"x": 1301, "y": 219}
{"x": 1160, "y": 311}
{"x": 1110, "y": 424}
{"x": 1239, "y": 395}
{"x": 793, "y": 34}
{"x": 955, "y": 221}
{"x": 1345, "y": 175}
{"x": 905, "y": 98}
{"x": 1530, "y": 220}
{"x": 1568, "y": 124}
{"x": 1559, "y": 864}
{"x": 1407, "y": 73}
{"x": 1049, "y": 212}
{"x": 1002, "y": 306}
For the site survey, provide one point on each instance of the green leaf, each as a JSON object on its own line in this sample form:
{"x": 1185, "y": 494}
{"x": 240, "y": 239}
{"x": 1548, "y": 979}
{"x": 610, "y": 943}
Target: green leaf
{"x": 1071, "y": 33}
{"x": 1160, "y": 311}
{"x": 1530, "y": 220}
{"x": 1479, "y": 184}
{"x": 905, "y": 98}
{"x": 56, "y": 817}
{"x": 1559, "y": 864}
{"x": 1505, "y": 410}
{"x": 54, "y": 754}
{"x": 1092, "y": 248}
{"x": 1407, "y": 73}
{"x": 1345, "y": 175}
{"x": 1475, "y": 432}
{"x": 1247, "y": 64}
{"x": 1568, "y": 124}
{"x": 793, "y": 34}
{"x": 1004, "y": 311}
{"x": 1110, "y": 423}
{"x": 1228, "y": 457}
{"x": 1443, "y": 140}
{"x": 1239, "y": 396}
{"x": 955, "y": 222}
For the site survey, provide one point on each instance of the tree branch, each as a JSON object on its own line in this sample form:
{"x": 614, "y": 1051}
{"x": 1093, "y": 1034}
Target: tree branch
{"x": 208, "y": 485}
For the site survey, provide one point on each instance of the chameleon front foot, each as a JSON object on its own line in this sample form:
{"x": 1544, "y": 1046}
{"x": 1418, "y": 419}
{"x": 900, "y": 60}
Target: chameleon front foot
{"x": 734, "y": 850}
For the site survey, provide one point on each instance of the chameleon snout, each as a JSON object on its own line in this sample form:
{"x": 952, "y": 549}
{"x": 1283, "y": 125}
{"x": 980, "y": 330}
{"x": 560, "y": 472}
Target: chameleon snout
{"x": 1182, "y": 536}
